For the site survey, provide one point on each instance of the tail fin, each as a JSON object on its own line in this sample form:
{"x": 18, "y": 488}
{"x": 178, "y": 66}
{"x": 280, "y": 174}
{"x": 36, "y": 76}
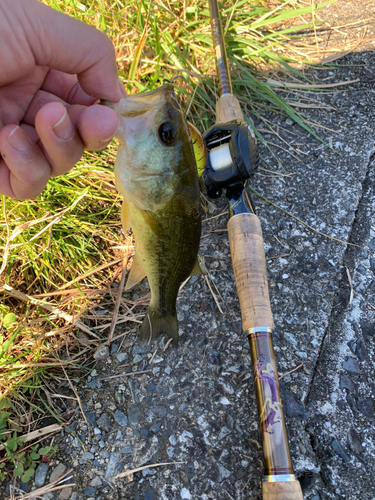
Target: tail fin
{"x": 156, "y": 325}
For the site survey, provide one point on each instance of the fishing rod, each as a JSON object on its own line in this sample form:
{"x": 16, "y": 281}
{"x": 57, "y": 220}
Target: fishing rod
{"x": 232, "y": 158}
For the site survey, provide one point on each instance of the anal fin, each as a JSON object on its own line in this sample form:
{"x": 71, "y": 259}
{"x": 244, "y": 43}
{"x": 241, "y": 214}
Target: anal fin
{"x": 137, "y": 272}
{"x": 199, "y": 266}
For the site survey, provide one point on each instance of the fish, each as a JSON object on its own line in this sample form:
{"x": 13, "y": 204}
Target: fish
{"x": 156, "y": 173}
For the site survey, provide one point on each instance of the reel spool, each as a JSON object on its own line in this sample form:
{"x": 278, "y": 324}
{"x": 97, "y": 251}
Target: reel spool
{"x": 232, "y": 156}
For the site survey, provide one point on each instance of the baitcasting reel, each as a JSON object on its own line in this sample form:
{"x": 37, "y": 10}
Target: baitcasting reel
{"x": 232, "y": 156}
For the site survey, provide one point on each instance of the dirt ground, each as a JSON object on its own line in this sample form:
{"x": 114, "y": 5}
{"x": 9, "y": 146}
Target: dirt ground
{"x": 195, "y": 407}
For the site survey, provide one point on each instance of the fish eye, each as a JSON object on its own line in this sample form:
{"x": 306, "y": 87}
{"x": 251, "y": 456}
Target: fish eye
{"x": 167, "y": 133}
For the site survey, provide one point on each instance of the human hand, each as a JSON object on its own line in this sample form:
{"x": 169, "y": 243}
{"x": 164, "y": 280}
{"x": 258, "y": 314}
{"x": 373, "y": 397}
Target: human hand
{"x": 53, "y": 69}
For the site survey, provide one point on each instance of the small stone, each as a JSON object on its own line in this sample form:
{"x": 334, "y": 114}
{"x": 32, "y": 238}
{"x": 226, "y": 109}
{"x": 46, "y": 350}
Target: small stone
{"x": 367, "y": 329}
{"x": 144, "y": 432}
{"x": 168, "y": 370}
{"x": 137, "y": 359}
{"x": 301, "y": 355}
{"x": 112, "y": 466}
{"x": 149, "y": 494}
{"x": 41, "y": 473}
{"x": 156, "y": 427}
{"x": 134, "y": 415}
{"x": 95, "y": 483}
{"x": 66, "y": 493}
{"x": 57, "y": 472}
{"x": 361, "y": 350}
{"x": 87, "y": 456}
{"x": 224, "y": 432}
{"x": 365, "y": 406}
{"x": 223, "y": 473}
{"x": 90, "y": 417}
{"x": 352, "y": 345}
{"x": 103, "y": 422}
{"x": 159, "y": 411}
{"x": 121, "y": 356}
{"x": 346, "y": 383}
{"x": 224, "y": 401}
{"x": 127, "y": 450}
{"x": 355, "y": 441}
{"x": 89, "y": 491}
{"x": 121, "y": 418}
{"x": 138, "y": 349}
{"x": 288, "y": 121}
{"x": 290, "y": 338}
{"x": 372, "y": 265}
{"x": 102, "y": 352}
{"x": 173, "y": 440}
{"x": 292, "y": 407}
{"x": 180, "y": 316}
{"x": 185, "y": 494}
{"x": 351, "y": 365}
{"x": 150, "y": 387}
{"x": 337, "y": 448}
{"x": 114, "y": 348}
{"x": 371, "y": 244}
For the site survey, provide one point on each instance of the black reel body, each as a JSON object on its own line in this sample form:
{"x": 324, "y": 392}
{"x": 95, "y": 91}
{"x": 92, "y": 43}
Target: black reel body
{"x": 232, "y": 156}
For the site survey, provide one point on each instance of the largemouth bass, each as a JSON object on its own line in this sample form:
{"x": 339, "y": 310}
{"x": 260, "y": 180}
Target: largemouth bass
{"x": 157, "y": 175}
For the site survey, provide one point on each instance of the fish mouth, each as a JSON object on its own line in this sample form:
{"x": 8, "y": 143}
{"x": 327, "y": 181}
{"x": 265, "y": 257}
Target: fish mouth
{"x": 139, "y": 104}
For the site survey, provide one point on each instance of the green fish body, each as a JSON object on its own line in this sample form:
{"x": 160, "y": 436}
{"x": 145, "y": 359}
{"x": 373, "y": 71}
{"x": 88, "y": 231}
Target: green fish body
{"x": 157, "y": 175}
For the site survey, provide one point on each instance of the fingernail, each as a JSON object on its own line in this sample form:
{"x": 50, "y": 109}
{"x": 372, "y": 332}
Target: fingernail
{"x": 20, "y": 141}
{"x": 105, "y": 141}
{"x": 122, "y": 89}
{"x": 63, "y": 128}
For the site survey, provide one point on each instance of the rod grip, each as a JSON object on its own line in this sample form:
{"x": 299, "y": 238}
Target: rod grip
{"x": 289, "y": 490}
{"x": 227, "y": 109}
{"x": 249, "y": 266}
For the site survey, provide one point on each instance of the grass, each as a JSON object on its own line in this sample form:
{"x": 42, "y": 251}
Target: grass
{"x": 62, "y": 252}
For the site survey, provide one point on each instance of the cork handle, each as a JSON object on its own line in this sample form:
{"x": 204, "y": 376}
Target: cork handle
{"x": 227, "y": 109}
{"x": 290, "y": 490}
{"x": 249, "y": 266}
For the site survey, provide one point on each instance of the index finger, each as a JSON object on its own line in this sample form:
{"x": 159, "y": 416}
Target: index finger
{"x": 66, "y": 44}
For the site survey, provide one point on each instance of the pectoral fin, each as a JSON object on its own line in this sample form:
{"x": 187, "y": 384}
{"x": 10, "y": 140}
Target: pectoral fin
{"x": 125, "y": 216}
{"x": 152, "y": 223}
{"x": 199, "y": 147}
{"x": 137, "y": 272}
{"x": 118, "y": 184}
